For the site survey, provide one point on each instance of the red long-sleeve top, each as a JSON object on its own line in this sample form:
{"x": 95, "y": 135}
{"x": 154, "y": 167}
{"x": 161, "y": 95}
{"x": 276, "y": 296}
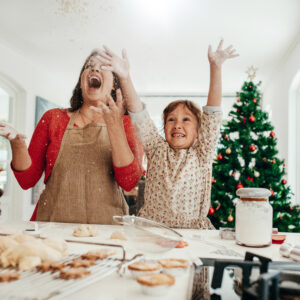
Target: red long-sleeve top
{"x": 45, "y": 144}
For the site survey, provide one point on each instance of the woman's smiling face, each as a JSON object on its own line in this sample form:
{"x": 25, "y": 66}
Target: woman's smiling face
{"x": 181, "y": 128}
{"x": 96, "y": 84}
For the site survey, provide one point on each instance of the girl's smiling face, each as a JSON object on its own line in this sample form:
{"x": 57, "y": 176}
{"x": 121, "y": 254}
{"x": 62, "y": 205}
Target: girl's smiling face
{"x": 96, "y": 84}
{"x": 181, "y": 128}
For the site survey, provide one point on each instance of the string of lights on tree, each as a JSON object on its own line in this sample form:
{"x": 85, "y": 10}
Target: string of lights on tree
{"x": 247, "y": 157}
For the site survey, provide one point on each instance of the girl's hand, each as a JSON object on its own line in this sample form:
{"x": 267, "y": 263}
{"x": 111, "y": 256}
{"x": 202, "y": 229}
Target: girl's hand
{"x": 113, "y": 111}
{"x": 10, "y": 133}
{"x": 219, "y": 56}
{"x": 114, "y": 63}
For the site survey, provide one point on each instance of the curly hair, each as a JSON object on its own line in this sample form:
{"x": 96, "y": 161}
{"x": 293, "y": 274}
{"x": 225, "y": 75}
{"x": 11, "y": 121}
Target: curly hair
{"x": 191, "y": 106}
{"x": 76, "y": 100}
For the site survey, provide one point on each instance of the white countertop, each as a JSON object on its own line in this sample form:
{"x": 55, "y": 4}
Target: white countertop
{"x": 202, "y": 243}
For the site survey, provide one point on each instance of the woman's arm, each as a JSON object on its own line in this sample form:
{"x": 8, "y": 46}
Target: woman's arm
{"x": 37, "y": 149}
{"x": 146, "y": 130}
{"x": 20, "y": 157}
{"x": 120, "y": 66}
{"x": 112, "y": 114}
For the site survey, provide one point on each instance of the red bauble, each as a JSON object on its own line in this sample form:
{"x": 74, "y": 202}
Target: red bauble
{"x": 220, "y": 156}
{"x": 238, "y": 110}
{"x": 244, "y": 120}
{"x": 211, "y": 211}
{"x": 250, "y": 178}
{"x": 272, "y": 134}
{"x": 232, "y": 174}
{"x": 272, "y": 192}
{"x": 291, "y": 207}
{"x": 252, "y": 119}
{"x": 213, "y": 180}
{"x": 250, "y": 86}
{"x": 283, "y": 181}
{"x": 252, "y": 147}
{"x": 273, "y": 161}
{"x": 254, "y": 100}
{"x": 226, "y": 137}
{"x": 239, "y": 186}
{"x": 283, "y": 165}
{"x": 239, "y": 100}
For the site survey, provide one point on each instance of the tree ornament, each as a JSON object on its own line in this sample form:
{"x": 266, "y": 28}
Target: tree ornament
{"x": 228, "y": 151}
{"x": 250, "y": 86}
{"x": 281, "y": 217}
{"x": 244, "y": 120}
{"x": 265, "y": 159}
{"x": 239, "y": 186}
{"x": 226, "y": 137}
{"x": 252, "y": 147}
{"x": 283, "y": 181}
{"x": 291, "y": 207}
{"x": 252, "y": 118}
{"x": 272, "y": 134}
{"x": 256, "y": 174}
{"x": 211, "y": 211}
{"x": 232, "y": 174}
{"x": 213, "y": 180}
{"x": 238, "y": 100}
{"x": 272, "y": 192}
{"x": 218, "y": 207}
{"x": 230, "y": 218}
{"x": 238, "y": 110}
{"x": 273, "y": 161}
{"x": 254, "y": 100}
{"x": 250, "y": 178}
{"x": 283, "y": 165}
{"x": 220, "y": 156}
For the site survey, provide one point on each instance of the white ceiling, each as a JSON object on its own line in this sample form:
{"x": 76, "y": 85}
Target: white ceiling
{"x": 166, "y": 40}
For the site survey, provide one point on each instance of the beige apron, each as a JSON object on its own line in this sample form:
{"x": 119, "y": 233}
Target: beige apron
{"x": 82, "y": 188}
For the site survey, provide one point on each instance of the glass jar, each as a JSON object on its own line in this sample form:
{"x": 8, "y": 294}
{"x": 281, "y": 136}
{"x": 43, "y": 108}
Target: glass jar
{"x": 254, "y": 218}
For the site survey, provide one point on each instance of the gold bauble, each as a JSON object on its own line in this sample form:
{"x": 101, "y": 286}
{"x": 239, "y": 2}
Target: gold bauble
{"x": 228, "y": 151}
{"x": 230, "y": 218}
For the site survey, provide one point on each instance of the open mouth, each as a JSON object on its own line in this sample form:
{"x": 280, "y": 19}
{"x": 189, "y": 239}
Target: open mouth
{"x": 94, "y": 82}
{"x": 177, "y": 135}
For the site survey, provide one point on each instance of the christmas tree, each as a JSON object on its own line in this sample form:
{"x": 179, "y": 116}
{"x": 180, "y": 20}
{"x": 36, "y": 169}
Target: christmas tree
{"x": 247, "y": 157}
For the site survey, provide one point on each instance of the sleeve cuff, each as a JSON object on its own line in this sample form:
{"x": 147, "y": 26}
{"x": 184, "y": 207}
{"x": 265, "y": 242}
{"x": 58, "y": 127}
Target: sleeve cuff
{"x": 141, "y": 115}
{"x": 211, "y": 109}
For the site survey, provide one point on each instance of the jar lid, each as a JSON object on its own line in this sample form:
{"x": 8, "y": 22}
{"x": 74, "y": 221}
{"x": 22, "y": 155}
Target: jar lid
{"x": 253, "y": 193}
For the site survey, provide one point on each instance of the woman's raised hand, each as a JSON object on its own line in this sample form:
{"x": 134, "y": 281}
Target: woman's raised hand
{"x": 10, "y": 133}
{"x": 219, "y": 56}
{"x": 112, "y": 112}
{"x": 114, "y": 63}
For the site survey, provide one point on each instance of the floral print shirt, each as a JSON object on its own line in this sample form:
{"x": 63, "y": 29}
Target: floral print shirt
{"x": 178, "y": 182}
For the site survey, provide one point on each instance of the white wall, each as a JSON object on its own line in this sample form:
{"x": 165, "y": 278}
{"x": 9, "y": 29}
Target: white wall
{"x": 281, "y": 94}
{"x": 24, "y": 80}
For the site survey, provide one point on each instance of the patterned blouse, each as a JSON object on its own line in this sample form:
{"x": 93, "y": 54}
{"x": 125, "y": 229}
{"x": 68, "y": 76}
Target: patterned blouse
{"x": 178, "y": 182}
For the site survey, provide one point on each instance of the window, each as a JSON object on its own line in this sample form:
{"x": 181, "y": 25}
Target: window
{"x": 5, "y": 116}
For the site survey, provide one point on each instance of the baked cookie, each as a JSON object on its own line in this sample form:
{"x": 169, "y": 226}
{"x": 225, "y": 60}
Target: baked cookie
{"x": 156, "y": 279}
{"x": 73, "y": 273}
{"x": 9, "y": 276}
{"x": 98, "y": 254}
{"x": 81, "y": 263}
{"x": 170, "y": 263}
{"x": 145, "y": 266}
{"x": 53, "y": 267}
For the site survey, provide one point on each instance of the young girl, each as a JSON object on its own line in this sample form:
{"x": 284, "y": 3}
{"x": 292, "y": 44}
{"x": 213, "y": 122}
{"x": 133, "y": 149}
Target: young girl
{"x": 178, "y": 182}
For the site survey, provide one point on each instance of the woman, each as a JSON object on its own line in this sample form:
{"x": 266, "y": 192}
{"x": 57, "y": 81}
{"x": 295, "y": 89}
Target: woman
{"x": 87, "y": 152}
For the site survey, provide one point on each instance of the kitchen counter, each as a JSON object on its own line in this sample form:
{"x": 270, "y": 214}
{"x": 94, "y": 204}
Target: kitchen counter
{"x": 202, "y": 243}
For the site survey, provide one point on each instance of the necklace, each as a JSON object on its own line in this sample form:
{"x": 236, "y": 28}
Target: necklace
{"x": 85, "y": 116}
